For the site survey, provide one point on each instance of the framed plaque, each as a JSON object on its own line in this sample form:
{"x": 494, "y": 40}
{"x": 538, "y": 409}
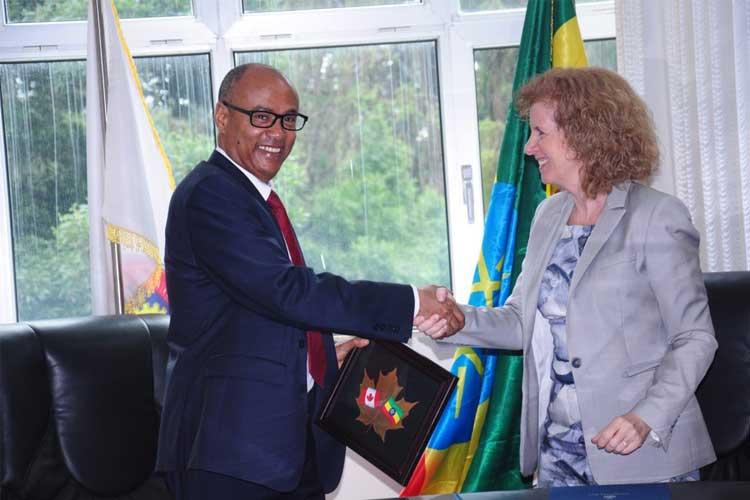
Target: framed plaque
{"x": 385, "y": 404}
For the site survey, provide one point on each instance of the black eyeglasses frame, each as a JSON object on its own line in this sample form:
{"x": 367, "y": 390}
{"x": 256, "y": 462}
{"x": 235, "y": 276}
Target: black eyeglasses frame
{"x": 251, "y": 112}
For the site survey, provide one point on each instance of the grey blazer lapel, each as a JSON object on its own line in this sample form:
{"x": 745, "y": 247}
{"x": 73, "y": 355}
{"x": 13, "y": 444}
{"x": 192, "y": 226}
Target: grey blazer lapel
{"x": 549, "y": 227}
{"x": 608, "y": 220}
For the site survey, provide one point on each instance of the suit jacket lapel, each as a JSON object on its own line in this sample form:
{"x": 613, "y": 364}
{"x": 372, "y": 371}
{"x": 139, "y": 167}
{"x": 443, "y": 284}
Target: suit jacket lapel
{"x": 232, "y": 171}
{"x": 224, "y": 164}
{"x": 608, "y": 220}
{"x": 551, "y": 229}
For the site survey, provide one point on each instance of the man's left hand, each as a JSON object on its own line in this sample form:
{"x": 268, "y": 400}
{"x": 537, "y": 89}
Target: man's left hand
{"x": 623, "y": 435}
{"x": 343, "y": 348}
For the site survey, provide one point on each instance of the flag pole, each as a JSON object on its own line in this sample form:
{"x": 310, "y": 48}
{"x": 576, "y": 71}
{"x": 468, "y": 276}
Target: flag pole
{"x": 101, "y": 55}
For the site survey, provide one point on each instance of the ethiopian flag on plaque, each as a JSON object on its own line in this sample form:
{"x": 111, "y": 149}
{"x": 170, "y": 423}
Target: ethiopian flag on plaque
{"x": 393, "y": 411}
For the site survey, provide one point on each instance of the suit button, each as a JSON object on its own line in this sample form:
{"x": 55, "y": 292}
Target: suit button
{"x": 576, "y": 362}
{"x": 301, "y": 343}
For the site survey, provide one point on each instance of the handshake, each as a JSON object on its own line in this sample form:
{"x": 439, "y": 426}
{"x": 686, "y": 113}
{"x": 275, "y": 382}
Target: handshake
{"x": 439, "y": 315}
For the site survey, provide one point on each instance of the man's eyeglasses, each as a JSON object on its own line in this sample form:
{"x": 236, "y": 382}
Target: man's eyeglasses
{"x": 267, "y": 119}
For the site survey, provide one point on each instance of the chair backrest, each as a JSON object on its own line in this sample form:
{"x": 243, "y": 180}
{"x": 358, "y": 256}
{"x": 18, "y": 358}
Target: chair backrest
{"x": 724, "y": 394}
{"x": 80, "y": 407}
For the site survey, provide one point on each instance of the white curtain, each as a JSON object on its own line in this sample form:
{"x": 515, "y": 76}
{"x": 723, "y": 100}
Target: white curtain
{"x": 690, "y": 61}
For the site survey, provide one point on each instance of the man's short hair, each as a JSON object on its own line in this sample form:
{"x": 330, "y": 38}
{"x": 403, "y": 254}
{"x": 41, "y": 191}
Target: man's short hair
{"x": 234, "y": 75}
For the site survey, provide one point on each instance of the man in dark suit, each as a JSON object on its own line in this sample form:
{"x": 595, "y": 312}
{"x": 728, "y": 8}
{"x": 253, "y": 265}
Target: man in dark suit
{"x": 248, "y": 365}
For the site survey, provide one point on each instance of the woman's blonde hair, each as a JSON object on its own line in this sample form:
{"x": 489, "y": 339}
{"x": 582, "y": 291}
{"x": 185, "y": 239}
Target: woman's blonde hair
{"x": 603, "y": 121}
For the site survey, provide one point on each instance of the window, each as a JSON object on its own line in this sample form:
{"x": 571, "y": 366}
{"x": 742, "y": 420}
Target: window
{"x": 376, "y": 181}
{"x": 488, "y": 5}
{"x": 480, "y": 5}
{"x": 43, "y": 109}
{"x": 365, "y": 182}
{"x": 38, "y": 11}
{"x": 178, "y": 91}
{"x": 495, "y": 69}
{"x": 45, "y": 139}
{"x": 281, "y": 5}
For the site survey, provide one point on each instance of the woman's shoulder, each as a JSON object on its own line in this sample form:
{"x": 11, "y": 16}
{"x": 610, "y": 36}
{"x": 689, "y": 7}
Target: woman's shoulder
{"x": 656, "y": 207}
{"x": 641, "y": 196}
{"x": 554, "y": 203}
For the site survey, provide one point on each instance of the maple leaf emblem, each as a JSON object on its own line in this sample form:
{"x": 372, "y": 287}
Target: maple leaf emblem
{"x": 378, "y": 403}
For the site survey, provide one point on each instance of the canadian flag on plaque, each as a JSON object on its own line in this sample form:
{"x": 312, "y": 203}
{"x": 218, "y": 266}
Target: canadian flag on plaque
{"x": 370, "y": 397}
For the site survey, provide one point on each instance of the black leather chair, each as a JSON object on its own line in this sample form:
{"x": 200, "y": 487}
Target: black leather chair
{"x": 724, "y": 394}
{"x": 80, "y": 408}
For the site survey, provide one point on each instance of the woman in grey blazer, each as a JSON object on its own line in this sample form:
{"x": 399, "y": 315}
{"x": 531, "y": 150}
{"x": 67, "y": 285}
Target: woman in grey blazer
{"x": 610, "y": 308}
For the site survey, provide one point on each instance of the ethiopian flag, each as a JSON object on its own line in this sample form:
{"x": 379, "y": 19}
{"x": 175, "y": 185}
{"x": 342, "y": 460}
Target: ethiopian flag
{"x": 393, "y": 411}
{"x": 475, "y": 446}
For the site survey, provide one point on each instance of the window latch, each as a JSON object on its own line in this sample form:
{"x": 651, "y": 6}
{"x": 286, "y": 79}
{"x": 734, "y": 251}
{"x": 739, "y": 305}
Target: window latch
{"x": 466, "y": 175}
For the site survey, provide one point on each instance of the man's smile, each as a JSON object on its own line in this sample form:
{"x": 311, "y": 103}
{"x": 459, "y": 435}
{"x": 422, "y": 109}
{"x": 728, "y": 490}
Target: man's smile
{"x": 270, "y": 149}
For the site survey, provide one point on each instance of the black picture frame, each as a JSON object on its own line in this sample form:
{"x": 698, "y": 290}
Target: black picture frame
{"x": 425, "y": 388}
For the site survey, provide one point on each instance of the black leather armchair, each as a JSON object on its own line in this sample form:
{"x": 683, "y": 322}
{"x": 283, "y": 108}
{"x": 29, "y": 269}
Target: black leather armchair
{"x": 724, "y": 394}
{"x": 80, "y": 407}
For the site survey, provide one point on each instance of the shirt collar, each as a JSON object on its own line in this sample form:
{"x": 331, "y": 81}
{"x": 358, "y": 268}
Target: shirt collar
{"x": 264, "y": 188}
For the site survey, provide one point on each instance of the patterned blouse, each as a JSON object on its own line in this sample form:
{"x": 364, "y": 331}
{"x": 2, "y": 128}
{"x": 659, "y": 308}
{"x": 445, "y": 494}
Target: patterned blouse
{"x": 563, "y": 448}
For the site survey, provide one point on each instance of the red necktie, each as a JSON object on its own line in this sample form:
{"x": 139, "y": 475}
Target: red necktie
{"x": 315, "y": 352}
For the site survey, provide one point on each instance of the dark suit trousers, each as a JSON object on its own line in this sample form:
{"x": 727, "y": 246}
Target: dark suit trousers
{"x": 194, "y": 484}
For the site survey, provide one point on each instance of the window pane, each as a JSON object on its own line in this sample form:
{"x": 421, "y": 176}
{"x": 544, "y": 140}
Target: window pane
{"x": 45, "y": 140}
{"x": 178, "y": 91}
{"x": 494, "y": 70}
{"x": 365, "y": 184}
{"x": 279, "y": 5}
{"x": 602, "y": 53}
{"x": 43, "y": 110}
{"x": 37, "y": 11}
{"x": 482, "y": 5}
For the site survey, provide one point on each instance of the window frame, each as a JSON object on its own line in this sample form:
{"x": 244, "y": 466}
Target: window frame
{"x": 8, "y": 312}
{"x": 219, "y": 28}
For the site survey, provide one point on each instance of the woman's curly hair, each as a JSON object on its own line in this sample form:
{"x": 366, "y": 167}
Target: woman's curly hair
{"x": 603, "y": 121}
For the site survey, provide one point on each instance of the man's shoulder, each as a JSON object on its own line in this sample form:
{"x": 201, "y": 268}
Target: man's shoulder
{"x": 209, "y": 184}
{"x": 204, "y": 173}
{"x": 203, "y": 169}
